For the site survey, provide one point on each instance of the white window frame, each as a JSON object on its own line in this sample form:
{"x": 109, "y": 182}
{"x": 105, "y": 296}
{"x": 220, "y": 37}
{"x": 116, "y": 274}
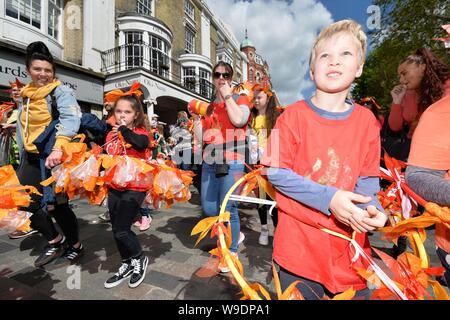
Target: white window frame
{"x": 189, "y": 9}
{"x": 189, "y": 73}
{"x": 144, "y": 7}
{"x": 21, "y": 6}
{"x": 158, "y": 53}
{"x": 189, "y": 44}
{"x": 53, "y": 7}
{"x": 204, "y": 77}
{"x": 136, "y": 43}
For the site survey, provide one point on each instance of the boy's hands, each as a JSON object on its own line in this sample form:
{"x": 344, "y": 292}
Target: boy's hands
{"x": 398, "y": 93}
{"x": 343, "y": 208}
{"x": 376, "y": 219}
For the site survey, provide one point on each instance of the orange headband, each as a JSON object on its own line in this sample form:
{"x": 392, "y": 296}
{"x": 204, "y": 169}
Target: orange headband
{"x": 17, "y": 84}
{"x": 266, "y": 89}
{"x": 371, "y": 99}
{"x": 114, "y": 95}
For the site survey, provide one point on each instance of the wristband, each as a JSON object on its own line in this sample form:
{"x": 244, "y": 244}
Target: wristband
{"x": 228, "y": 96}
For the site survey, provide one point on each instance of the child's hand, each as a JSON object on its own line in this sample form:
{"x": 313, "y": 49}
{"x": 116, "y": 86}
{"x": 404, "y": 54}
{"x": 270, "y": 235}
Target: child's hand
{"x": 398, "y": 93}
{"x": 343, "y": 208}
{"x": 376, "y": 218}
{"x": 115, "y": 129}
{"x": 358, "y": 224}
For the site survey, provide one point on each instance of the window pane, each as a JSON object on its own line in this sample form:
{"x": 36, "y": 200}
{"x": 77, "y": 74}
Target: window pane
{"x": 54, "y": 16}
{"x": 189, "y": 9}
{"x": 12, "y": 8}
{"x": 144, "y": 7}
{"x": 134, "y": 49}
{"x": 190, "y": 41}
{"x": 24, "y": 11}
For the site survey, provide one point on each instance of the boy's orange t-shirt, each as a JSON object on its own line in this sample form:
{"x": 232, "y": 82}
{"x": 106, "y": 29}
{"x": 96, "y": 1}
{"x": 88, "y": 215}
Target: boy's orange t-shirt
{"x": 330, "y": 152}
{"x": 430, "y": 146}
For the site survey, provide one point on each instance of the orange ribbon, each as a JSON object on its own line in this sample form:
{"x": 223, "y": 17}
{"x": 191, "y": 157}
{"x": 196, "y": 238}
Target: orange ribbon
{"x": 266, "y": 89}
{"x": 114, "y": 95}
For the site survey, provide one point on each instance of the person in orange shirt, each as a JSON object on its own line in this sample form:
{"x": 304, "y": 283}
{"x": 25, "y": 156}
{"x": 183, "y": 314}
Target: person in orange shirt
{"x": 323, "y": 159}
{"x": 223, "y": 131}
{"x": 424, "y": 79}
{"x": 429, "y": 167}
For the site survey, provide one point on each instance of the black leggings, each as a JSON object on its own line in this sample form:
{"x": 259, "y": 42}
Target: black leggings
{"x": 123, "y": 207}
{"x": 263, "y": 211}
{"x": 29, "y": 173}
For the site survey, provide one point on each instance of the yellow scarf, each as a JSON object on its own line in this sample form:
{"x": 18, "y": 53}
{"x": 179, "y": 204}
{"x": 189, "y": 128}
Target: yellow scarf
{"x": 35, "y": 116}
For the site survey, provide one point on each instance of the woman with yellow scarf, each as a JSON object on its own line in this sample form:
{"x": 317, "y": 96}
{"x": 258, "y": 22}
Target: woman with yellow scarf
{"x": 35, "y": 114}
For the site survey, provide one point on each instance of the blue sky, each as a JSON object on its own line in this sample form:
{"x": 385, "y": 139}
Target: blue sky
{"x": 283, "y": 32}
{"x": 345, "y": 9}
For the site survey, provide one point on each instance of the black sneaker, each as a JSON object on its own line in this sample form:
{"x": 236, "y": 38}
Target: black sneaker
{"x": 51, "y": 252}
{"x": 21, "y": 234}
{"x": 70, "y": 254}
{"x": 139, "y": 268}
{"x": 125, "y": 271}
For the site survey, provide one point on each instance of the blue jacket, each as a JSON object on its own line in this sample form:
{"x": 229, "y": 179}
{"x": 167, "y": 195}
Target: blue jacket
{"x": 69, "y": 114}
{"x": 69, "y": 123}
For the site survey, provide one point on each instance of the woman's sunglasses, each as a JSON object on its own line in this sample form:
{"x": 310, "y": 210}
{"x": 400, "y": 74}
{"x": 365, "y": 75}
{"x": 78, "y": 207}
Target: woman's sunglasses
{"x": 225, "y": 75}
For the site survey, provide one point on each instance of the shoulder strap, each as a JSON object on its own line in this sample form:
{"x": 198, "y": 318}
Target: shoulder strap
{"x": 54, "y": 105}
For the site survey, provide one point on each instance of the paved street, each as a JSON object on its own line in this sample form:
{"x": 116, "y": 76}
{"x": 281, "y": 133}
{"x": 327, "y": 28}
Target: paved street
{"x": 173, "y": 267}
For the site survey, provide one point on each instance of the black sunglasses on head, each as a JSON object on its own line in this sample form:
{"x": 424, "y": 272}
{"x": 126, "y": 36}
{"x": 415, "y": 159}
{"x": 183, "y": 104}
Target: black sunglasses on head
{"x": 225, "y": 75}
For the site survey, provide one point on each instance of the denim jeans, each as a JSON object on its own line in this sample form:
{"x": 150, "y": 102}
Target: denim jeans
{"x": 123, "y": 208}
{"x": 213, "y": 192}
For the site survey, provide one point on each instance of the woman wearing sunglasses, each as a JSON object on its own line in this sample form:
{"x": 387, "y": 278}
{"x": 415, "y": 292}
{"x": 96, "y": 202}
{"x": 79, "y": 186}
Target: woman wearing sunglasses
{"x": 222, "y": 131}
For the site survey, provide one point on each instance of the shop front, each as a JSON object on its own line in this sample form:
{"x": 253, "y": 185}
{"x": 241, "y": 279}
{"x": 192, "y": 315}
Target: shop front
{"x": 87, "y": 85}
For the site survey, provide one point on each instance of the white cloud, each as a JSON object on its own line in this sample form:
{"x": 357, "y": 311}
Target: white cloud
{"x": 283, "y": 35}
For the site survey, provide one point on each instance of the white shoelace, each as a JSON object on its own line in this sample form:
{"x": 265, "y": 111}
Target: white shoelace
{"x": 122, "y": 269}
{"x": 137, "y": 265}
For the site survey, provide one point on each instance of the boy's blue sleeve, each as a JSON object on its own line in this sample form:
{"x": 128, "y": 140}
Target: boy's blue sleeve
{"x": 301, "y": 189}
{"x": 368, "y": 186}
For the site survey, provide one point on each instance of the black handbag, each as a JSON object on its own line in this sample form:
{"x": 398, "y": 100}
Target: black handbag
{"x": 395, "y": 143}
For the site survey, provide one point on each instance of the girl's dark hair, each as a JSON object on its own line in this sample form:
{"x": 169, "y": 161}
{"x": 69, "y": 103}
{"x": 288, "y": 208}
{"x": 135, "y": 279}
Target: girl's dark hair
{"x": 436, "y": 73}
{"x": 38, "y": 51}
{"x": 137, "y": 107}
{"x": 271, "y": 113}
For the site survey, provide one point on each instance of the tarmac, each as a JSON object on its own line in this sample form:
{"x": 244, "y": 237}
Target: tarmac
{"x": 176, "y": 266}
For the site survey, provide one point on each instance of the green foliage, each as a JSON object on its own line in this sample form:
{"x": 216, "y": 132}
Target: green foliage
{"x": 406, "y": 25}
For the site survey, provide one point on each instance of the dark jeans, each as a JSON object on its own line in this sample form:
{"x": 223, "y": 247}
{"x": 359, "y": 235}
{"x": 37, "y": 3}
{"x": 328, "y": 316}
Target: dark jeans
{"x": 442, "y": 255}
{"x": 312, "y": 290}
{"x": 29, "y": 174}
{"x": 123, "y": 207}
{"x": 145, "y": 212}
